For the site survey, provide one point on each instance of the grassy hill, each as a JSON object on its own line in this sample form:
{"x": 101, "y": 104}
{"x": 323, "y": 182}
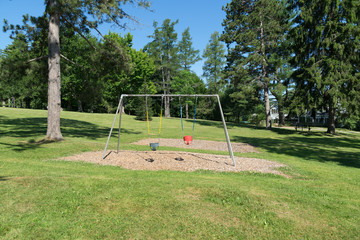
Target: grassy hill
{"x": 43, "y": 198}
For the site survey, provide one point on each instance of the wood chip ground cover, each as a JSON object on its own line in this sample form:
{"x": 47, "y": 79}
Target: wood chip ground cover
{"x": 200, "y": 144}
{"x": 178, "y": 160}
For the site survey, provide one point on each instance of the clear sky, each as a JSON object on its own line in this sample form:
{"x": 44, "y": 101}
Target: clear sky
{"x": 202, "y": 16}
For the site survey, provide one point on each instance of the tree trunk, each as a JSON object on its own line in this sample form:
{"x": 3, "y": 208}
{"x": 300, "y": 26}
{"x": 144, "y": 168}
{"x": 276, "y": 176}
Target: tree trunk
{"x": 13, "y": 102}
{"x": 80, "y": 109}
{"x": 264, "y": 79}
{"x": 54, "y": 94}
{"x": 281, "y": 116}
{"x": 331, "y": 119}
{"x": 187, "y": 110}
{"x": 267, "y": 107}
{"x": 167, "y": 107}
{"x": 167, "y": 83}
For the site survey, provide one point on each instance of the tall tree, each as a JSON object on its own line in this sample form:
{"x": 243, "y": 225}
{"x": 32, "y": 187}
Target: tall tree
{"x": 76, "y": 14}
{"x": 164, "y": 52}
{"x": 253, "y": 29}
{"x": 187, "y": 54}
{"x": 187, "y": 82}
{"x": 326, "y": 45}
{"x": 214, "y": 55}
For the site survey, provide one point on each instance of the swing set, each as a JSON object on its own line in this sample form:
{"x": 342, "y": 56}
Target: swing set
{"x": 188, "y": 139}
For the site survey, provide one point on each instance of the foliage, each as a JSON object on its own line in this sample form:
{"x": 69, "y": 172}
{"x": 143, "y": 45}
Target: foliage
{"x": 165, "y": 54}
{"x": 81, "y": 16}
{"x": 326, "y": 43}
{"x": 254, "y": 30}
{"x": 187, "y": 54}
{"x": 214, "y": 55}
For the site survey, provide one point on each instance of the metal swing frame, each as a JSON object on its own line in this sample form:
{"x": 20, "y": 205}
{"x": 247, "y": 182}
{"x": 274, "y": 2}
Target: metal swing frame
{"x": 119, "y": 111}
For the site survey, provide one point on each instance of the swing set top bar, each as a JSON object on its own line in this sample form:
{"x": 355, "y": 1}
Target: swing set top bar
{"x": 170, "y": 95}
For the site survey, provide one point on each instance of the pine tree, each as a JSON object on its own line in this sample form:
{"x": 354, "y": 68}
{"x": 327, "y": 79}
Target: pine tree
{"x": 326, "y": 45}
{"x": 187, "y": 54}
{"x": 253, "y": 29}
{"x": 164, "y": 52}
{"x": 81, "y": 15}
{"x": 214, "y": 55}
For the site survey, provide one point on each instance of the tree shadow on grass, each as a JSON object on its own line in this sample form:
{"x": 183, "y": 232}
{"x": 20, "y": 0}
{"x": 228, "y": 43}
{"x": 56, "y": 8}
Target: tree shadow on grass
{"x": 219, "y": 124}
{"x": 342, "y": 150}
{"x": 36, "y": 127}
{"x": 2, "y": 178}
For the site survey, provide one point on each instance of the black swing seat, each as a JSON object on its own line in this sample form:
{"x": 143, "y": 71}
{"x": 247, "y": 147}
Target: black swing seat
{"x": 154, "y": 146}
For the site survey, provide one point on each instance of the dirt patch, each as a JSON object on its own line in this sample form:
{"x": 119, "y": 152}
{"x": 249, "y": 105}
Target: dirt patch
{"x": 178, "y": 161}
{"x": 200, "y": 144}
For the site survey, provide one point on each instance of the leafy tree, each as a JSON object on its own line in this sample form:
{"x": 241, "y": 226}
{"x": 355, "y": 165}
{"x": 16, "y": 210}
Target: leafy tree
{"x": 187, "y": 54}
{"x": 165, "y": 54}
{"x": 214, "y": 55}
{"x": 281, "y": 84}
{"x": 81, "y": 15}
{"x": 20, "y": 77}
{"x": 80, "y": 80}
{"x": 186, "y": 82}
{"x": 326, "y": 46}
{"x": 253, "y": 30}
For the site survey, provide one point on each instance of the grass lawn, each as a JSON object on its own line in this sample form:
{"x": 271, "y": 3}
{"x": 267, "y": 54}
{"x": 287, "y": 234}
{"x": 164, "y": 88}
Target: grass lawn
{"x": 45, "y": 199}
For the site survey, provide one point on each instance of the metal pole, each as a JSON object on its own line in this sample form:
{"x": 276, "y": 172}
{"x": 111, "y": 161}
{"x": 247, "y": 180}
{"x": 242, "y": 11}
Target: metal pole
{"x": 107, "y": 142}
{"x": 121, "y": 108}
{"x": 226, "y": 132}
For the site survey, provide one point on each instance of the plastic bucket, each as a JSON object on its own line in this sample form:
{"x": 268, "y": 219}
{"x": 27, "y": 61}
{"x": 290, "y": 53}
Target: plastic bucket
{"x": 154, "y": 146}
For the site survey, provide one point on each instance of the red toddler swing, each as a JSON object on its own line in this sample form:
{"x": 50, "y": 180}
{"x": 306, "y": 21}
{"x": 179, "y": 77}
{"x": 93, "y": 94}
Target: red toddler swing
{"x": 187, "y": 139}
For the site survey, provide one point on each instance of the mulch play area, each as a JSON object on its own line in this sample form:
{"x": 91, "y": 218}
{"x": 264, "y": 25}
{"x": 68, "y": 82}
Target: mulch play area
{"x": 182, "y": 161}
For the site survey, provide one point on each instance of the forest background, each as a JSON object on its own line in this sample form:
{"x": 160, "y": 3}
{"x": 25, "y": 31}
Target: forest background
{"x": 300, "y": 56}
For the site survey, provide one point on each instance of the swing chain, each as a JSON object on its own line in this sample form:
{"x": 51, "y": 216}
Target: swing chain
{"x": 182, "y": 125}
{"x": 161, "y": 109}
{"x": 192, "y": 135}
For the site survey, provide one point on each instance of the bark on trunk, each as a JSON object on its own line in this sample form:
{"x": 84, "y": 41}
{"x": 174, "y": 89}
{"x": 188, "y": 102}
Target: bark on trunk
{"x": 13, "y": 102}
{"x": 167, "y": 83}
{"x": 281, "y": 116}
{"x": 331, "y": 119}
{"x": 167, "y": 107}
{"x": 187, "y": 110}
{"x": 264, "y": 79}
{"x": 267, "y": 107}
{"x": 80, "y": 108}
{"x": 54, "y": 94}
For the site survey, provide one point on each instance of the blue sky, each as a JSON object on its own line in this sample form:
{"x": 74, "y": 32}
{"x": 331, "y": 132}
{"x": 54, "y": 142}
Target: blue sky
{"x": 202, "y": 16}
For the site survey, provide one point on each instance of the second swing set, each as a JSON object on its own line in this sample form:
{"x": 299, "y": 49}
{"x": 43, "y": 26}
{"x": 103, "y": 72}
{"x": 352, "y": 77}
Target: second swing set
{"x": 186, "y": 138}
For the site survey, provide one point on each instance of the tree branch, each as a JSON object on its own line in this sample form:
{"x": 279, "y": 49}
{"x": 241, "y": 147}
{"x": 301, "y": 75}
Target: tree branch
{"x": 76, "y": 64}
{"x": 79, "y": 32}
{"x": 35, "y": 59}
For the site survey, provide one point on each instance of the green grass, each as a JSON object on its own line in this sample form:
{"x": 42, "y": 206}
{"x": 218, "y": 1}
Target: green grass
{"x": 45, "y": 199}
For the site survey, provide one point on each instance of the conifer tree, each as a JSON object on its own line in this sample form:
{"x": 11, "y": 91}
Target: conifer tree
{"x": 326, "y": 45}
{"x": 214, "y": 55}
{"x": 165, "y": 54}
{"x": 81, "y": 15}
{"x": 187, "y": 54}
{"x": 253, "y": 30}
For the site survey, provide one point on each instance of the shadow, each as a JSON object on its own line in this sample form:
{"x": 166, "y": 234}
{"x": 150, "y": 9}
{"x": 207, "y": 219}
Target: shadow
{"x": 2, "y": 178}
{"x": 311, "y": 146}
{"x": 36, "y": 128}
{"x": 206, "y": 122}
